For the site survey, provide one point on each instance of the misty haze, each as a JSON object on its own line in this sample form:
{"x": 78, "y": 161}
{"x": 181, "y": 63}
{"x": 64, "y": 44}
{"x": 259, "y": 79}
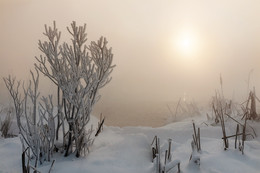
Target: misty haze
{"x": 177, "y": 62}
{"x": 153, "y": 69}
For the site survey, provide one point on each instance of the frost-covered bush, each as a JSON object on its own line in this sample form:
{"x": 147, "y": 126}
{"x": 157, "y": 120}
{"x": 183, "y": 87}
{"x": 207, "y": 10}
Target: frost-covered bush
{"x": 34, "y": 131}
{"x": 78, "y": 71}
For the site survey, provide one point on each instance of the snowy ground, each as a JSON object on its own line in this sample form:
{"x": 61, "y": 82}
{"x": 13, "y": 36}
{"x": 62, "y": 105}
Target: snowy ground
{"x": 128, "y": 150}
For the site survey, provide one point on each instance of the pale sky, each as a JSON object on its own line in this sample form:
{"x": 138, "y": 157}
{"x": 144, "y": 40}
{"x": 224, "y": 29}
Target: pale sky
{"x": 162, "y": 48}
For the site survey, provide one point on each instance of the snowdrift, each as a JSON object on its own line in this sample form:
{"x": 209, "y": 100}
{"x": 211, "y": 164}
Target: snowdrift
{"x": 128, "y": 150}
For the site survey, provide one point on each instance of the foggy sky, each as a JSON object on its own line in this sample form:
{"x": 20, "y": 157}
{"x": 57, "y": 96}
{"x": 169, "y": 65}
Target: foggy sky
{"x": 141, "y": 33}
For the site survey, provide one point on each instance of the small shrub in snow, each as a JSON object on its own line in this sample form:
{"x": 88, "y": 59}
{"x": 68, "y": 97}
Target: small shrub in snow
{"x": 78, "y": 71}
{"x": 35, "y": 133}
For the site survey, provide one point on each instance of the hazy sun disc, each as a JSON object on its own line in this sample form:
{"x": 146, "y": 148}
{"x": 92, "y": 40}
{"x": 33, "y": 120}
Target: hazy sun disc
{"x": 186, "y": 44}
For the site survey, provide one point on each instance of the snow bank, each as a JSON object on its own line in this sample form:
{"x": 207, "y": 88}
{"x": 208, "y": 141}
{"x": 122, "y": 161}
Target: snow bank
{"x": 128, "y": 150}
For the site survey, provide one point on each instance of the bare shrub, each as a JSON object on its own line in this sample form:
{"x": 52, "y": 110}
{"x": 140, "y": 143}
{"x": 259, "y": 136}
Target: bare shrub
{"x": 36, "y": 133}
{"x": 78, "y": 71}
{"x": 78, "y": 74}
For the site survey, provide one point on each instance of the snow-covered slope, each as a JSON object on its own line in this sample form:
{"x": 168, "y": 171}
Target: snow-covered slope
{"x": 128, "y": 150}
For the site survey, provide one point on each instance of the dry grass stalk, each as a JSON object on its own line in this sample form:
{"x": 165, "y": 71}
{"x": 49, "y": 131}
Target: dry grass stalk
{"x": 220, "y": 107}
{"x": 167, "y": 165}
{"x": 237, "y": 131}
{"x": 154, "y": 147}
{"x": 100, "y": 124}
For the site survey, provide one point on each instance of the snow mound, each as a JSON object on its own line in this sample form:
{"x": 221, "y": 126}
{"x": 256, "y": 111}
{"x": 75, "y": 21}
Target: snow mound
{"x": 128, "y": 150}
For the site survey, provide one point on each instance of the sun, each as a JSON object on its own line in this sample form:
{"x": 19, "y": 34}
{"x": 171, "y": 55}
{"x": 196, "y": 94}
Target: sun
{"x": 186, "y": 44}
